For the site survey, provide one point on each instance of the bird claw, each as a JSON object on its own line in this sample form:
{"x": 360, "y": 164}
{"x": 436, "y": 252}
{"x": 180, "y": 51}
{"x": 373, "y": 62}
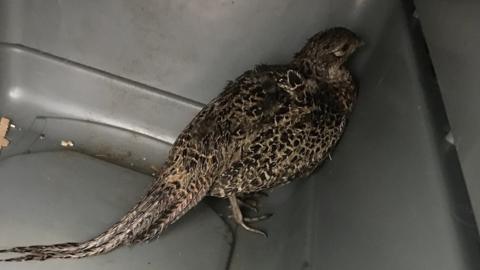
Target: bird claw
{"x": 250, "y": 229}
{"x": 254, "y": 219}
{"x": 257, "y": 218}
{"x": 249, "y": 204}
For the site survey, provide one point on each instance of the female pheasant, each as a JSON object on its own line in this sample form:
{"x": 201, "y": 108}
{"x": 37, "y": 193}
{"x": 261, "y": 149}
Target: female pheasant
{"x": 271, "y": 125}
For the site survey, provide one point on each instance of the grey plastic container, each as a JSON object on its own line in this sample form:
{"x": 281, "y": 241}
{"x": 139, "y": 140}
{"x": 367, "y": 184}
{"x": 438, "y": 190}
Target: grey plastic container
{"x": 120, "y": 79}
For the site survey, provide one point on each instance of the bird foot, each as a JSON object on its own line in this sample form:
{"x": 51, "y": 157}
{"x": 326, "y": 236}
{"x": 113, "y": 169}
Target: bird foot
{"x": 249, "y": 204}
{"x": 250, "y": 200}
{"x": 240, "y": 220}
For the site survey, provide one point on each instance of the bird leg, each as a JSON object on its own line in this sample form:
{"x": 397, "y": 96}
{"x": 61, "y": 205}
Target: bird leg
{"x": 238, "y": 216}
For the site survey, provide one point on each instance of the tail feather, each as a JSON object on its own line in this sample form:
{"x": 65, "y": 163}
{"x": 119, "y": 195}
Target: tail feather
{"x": 65, "y": 248}
{"x": 161, "y": 206}
{"x": 71, "y": 253}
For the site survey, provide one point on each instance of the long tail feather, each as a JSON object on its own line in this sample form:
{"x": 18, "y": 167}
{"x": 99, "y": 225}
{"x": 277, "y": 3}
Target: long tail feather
{"x": 161, "y": 206}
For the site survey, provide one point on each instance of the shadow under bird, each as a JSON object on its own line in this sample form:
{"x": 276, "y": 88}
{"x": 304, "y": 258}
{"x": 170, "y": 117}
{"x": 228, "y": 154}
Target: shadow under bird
{"x": 271, "y": 125}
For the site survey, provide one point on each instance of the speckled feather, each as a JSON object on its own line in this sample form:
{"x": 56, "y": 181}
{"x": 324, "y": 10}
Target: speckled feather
{"x": 271, "y": 125}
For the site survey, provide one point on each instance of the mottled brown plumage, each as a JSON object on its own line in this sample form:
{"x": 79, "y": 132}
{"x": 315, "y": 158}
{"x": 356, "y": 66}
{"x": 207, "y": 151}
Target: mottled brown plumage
{"x": 271, "y": 125}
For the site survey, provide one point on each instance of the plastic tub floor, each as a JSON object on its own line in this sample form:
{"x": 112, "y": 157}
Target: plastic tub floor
{"x": 121, "y": 79}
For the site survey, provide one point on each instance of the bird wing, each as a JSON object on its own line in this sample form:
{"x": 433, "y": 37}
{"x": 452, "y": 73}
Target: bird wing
{"x": 248, "y": 104}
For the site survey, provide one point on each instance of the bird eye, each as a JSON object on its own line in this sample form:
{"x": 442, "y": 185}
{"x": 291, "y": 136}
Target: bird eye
{"x": 344, "y": 47}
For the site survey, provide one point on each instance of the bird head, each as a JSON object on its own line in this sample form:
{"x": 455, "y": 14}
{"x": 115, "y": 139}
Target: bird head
{"x": 331, "y": 47}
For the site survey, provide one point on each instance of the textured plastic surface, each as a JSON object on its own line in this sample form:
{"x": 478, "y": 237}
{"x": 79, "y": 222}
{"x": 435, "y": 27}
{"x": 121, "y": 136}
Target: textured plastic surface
{"x": 451, "y": 30}
{"x": 121, "y": 79}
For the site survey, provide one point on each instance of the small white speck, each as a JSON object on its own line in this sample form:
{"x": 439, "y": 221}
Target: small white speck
{"x": 329, "y": 156}
{"x": 42, "y": 137}
{"x": 12, "y": 126}
{"x": 144, "y": 158}
{"x": 67, "y": 143}
{"x": 449, "y": 138}
{"x": 15, "y": 93}
{"x": 131, "y": 164}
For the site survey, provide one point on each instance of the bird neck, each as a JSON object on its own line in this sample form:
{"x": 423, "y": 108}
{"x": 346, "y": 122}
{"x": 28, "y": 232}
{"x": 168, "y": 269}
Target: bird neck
{"x": 335, "y": 74}
{"x": 322, "y": 70}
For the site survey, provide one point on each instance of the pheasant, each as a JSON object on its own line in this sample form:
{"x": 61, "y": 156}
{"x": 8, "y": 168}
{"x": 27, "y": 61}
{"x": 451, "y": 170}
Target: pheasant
{"x": 273, "y": 124}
